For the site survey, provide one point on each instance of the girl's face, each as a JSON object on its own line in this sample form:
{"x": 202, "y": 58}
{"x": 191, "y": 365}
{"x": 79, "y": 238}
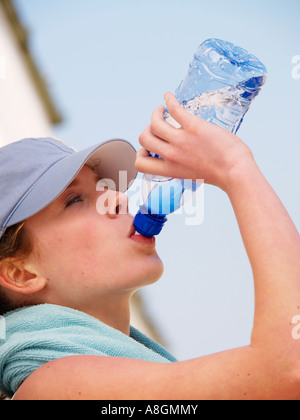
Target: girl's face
{"x": 87, "y": 256}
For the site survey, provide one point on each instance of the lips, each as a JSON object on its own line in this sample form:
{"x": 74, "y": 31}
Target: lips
{"x": 137, "y": 237}
{"x": 132, "y": 231}
{"x": 143, "y": 240}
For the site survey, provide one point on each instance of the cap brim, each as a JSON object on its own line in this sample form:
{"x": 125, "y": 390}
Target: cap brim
{"x": 107, "y": 159}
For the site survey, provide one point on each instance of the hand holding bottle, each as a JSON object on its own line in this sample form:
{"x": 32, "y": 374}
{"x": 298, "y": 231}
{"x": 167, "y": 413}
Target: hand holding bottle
{"x": 196, "y": 150}
{"x": 220, "y": 86}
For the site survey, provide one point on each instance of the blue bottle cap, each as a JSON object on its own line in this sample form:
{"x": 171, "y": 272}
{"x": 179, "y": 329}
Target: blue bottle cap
{"x": 147, "y": 224}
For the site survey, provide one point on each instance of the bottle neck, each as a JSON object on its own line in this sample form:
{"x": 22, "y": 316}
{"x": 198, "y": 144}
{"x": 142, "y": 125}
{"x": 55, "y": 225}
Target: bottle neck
{"x": 148, "y": 224}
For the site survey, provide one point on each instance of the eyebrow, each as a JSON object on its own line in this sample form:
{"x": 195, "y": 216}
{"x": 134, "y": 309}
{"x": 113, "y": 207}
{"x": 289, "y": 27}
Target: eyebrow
{"x": 74, "y": 183}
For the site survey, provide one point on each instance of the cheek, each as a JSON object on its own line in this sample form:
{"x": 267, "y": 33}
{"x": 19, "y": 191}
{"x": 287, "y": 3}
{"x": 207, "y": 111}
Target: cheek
{"x": 63, "y": 249}
{"x": 85, "y": 253}
{"x": 88, "y": 257}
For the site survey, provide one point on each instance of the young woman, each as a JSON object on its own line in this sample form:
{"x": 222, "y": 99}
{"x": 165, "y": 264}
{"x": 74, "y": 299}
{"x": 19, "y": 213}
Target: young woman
{"x": 73, "y": 271}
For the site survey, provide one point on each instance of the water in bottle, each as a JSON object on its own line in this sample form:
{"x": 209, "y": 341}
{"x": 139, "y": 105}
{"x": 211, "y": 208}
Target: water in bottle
{"x": 221, "y": 83}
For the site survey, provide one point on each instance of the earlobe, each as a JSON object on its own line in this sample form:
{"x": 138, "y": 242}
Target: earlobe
{"x": 18, "y": 278}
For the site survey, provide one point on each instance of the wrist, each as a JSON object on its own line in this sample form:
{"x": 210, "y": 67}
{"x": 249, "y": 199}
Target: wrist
{"x": 241, "y": 167}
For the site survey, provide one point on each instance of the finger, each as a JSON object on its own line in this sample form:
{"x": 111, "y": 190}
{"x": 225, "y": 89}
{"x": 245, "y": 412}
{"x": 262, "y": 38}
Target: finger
{"x": 177, "y": 111}
{"x": 160, "y": 127}
{"x": 148, "y": 164}
{"x": 142, "y": 153}
{"x": 151, "y": 142}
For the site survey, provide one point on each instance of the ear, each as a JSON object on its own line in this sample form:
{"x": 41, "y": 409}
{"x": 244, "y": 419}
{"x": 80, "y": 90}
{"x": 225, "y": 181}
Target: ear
{"x": 20, "y": 277}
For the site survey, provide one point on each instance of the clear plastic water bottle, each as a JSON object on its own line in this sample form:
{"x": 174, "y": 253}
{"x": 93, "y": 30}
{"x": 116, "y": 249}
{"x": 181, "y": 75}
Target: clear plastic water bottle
{"x": 221, "y": 83}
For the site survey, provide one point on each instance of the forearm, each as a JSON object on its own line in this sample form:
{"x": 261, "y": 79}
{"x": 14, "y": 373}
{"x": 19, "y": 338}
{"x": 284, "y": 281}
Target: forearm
{"x": 238, "y": 374}
{"x": 269, "y": 367}
{"x": 273, "y": 246}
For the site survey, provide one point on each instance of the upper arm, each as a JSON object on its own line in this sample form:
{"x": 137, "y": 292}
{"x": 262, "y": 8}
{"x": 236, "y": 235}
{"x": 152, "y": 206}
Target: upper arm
{"x": 236, "y": 374}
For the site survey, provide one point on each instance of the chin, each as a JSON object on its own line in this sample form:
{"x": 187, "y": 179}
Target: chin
{"x": 151, "y": 271}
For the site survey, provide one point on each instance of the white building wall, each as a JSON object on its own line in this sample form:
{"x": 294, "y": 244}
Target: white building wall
{"x": 22, "y": 113}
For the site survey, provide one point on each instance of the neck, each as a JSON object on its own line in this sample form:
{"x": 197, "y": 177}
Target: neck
{"x": 113, "y": 311}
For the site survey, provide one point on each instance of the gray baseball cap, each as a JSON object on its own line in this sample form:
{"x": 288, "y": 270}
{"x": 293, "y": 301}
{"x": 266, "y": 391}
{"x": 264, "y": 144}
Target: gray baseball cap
{"x": 35, "y": 171}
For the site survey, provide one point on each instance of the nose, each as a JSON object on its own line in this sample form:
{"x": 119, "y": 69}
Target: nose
{"x": 112, "y": 203}
{"x": 118, "y": 205}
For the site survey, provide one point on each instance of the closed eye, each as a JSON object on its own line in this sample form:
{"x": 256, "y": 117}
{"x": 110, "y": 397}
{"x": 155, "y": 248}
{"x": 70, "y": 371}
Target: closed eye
{"x": 76, "y": 199}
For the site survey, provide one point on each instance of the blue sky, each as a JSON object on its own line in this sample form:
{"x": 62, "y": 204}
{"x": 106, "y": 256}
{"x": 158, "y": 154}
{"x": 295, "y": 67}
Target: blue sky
{"x": 108, "y": 64}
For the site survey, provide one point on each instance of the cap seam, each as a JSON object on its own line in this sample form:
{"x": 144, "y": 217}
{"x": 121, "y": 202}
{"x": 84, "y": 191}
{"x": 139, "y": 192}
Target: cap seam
{"x": 65, "y": 149}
